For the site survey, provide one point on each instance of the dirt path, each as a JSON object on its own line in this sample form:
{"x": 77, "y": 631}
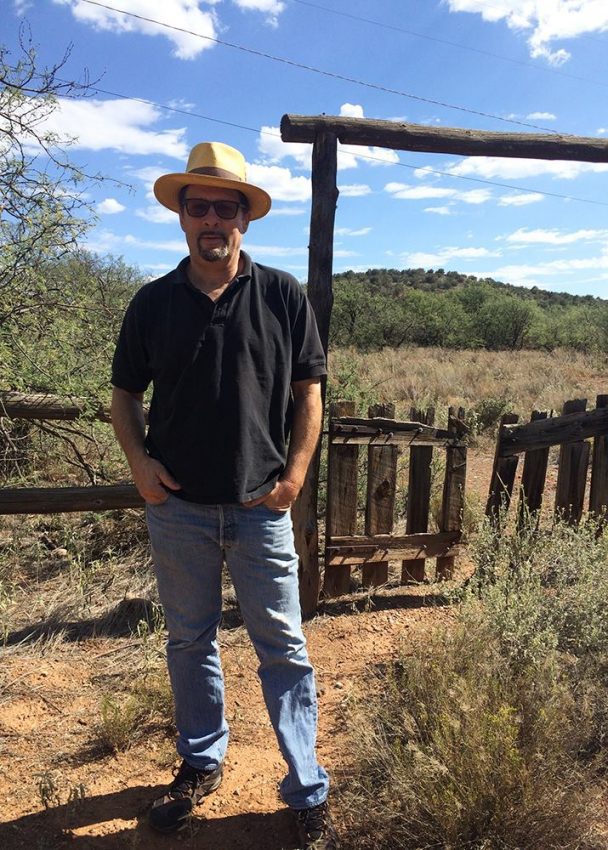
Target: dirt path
{"x": 50, "y": 707}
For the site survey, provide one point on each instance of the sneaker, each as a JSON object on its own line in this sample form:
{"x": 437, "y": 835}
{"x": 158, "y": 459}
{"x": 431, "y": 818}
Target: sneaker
{"x": 172, "y": 811}
{"x": 315, "y": 828}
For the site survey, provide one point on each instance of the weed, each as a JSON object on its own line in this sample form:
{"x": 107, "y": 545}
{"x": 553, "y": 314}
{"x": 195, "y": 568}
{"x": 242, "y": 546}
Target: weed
{"x": 126, "y": 720}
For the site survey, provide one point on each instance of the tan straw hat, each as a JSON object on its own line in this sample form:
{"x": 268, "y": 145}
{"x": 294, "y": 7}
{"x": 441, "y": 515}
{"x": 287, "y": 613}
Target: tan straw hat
{"x": 213, "y": 164}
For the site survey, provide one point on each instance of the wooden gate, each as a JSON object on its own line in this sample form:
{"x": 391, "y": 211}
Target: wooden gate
{"x": 385, "y": 438}
{"x": 571, "y": 432}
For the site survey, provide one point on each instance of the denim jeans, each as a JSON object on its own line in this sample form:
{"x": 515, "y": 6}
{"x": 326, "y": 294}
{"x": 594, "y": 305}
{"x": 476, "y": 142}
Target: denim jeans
{"x": 189, "y": 545}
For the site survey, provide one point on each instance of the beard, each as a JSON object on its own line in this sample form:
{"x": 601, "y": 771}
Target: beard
{"x": 214, "y": 255}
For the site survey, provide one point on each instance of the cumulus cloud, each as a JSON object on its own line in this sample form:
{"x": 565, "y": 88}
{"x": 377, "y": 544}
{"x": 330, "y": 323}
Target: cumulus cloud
{"x": 279, "y": 182}
{"x": 270, "y": 8}
{"x": 184, "y": 14}
{"x": 543, "y": 21}
{"x": 119, "y": 125}
{"x": 110, "y": 206}
{"x": 439, "y": 210}
{"x": 541, "y": 116}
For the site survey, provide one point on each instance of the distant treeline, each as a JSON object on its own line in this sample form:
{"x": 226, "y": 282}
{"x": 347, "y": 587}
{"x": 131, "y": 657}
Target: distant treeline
{"x": 391, "y": 308}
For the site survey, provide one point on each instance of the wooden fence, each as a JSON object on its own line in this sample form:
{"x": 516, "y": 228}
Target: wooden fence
{"x": 572, "y": 431}
{"x": 385, "y": 438}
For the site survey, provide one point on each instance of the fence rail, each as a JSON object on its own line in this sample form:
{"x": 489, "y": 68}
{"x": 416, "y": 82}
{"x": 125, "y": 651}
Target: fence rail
{"x": 571, "y": 431}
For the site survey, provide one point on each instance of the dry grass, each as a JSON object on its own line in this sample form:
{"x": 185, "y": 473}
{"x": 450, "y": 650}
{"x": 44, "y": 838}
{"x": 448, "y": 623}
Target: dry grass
{"x": 424, "y": 377}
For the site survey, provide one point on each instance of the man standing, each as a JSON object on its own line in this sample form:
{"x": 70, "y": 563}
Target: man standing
{"x": 232, "y": 351}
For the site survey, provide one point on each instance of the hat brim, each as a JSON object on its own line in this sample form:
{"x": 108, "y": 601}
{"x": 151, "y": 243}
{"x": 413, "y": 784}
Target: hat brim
{"x": 167, "y": 188}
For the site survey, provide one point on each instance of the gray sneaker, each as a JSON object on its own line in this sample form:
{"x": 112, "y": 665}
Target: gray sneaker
{"x": 315, "y": 828}
{"x": 171, "y": 812}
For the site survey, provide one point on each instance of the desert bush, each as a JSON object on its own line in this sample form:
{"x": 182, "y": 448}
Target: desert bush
{"x": 492, "y": 735}
{"x": 124, "y": 720}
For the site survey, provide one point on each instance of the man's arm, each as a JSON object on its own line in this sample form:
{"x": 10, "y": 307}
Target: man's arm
{"x": 149, "y": 475}
{"x": 307, "y": 416}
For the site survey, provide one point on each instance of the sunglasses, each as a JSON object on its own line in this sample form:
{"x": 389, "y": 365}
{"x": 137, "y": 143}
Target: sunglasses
{"x": 199, "y": 207}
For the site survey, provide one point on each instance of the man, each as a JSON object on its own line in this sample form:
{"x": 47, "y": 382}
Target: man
{"x": 233, "y": 354}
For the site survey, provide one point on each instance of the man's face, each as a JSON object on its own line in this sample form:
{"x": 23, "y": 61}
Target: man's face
{"x": 210, "y": 237}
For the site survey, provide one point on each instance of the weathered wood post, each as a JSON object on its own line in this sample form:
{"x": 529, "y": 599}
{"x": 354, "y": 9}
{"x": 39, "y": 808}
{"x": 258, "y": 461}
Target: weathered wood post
{"x": 572, "y": 471}
{"x": 320, "y": 294}
{"x": 381, "y": 488}
{"x": 598, "y": 493}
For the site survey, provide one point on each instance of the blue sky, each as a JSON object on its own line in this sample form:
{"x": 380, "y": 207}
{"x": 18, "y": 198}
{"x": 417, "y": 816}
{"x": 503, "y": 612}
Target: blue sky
{"x": 519, "y": 62}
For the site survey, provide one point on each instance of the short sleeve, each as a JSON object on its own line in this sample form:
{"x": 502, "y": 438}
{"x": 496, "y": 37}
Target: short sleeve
{"x": 308, "y": 357}
{"x": 131, "y": 363}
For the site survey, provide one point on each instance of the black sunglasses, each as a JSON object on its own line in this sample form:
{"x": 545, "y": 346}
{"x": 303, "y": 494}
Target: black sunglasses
{"x": 199, "y": 207}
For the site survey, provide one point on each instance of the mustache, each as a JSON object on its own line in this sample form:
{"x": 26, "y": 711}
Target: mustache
{"x": 215, "y": 233}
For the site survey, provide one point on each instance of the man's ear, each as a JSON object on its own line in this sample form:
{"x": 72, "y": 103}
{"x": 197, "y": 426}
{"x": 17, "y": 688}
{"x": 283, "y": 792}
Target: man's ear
{"x": 246, "y": 221}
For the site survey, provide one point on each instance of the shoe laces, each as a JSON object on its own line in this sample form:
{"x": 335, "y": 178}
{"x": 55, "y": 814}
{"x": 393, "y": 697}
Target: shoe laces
{"x": 185, "y": 782}
{"x": 313, "y": 821}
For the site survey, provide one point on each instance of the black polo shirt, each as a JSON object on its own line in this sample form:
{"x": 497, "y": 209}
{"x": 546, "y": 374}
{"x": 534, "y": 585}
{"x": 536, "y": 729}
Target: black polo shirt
{"x": 221, "y": 372}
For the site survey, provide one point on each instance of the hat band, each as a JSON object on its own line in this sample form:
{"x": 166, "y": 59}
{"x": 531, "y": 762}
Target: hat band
{"x": 211, "y": 171}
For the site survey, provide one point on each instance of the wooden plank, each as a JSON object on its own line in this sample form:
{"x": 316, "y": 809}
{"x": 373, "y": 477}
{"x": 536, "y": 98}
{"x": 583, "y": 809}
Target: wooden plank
{"x": 402, "y": 439}
{"x": 558, "y": 430}
{"x": 572, "y": 472}
{"x": 503, "y": 474}
{"x": 50, "y": 407}
{"x": 380, "y": 501}
{"x": 598, "y": 494}
{"x": 399, "y": 135}
{"x": 358, "y": 550}
{"x": 54, "y": 500}
{"x": 341, "y": 513}
{"x": 453, "y": 495}
{"x": 533, "y": 480}
{"x": 320, "y": 295}
{"x": 419, "y": 495}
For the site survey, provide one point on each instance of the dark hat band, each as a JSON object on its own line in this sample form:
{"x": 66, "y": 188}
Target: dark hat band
{"x": 211, "y": 171}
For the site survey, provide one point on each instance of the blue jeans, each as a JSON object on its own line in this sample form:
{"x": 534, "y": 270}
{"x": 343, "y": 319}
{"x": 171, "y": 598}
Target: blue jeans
{"x": 189, "y": 544}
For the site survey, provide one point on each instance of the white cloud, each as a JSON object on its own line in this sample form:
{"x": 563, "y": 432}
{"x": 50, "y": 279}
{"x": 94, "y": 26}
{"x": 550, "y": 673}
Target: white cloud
{"x": 351, "y": 110}
{"x": 420, "y": 259}
{"x": 415, "y": 193}
{"x": 554, "y": 237}
{"x": 492, "y": 167}
{"x": 271, "y": 8}
{"x": 520, "y": 199}
{"x": 119, "y": 125}
{"x": 110, "y": 206}
{"x": 274, "y": 149}
{"x": 354, "y": 190}
{"x": 544, "y": 21}
{"x": 156, "y": 214}
{"x": 404, "y": 191}
{"x": 287, "y": 211}
{"x": 184, "y": 14}
{"x": 439, "y": 210}
{"x": 541, "y": 116}
{"x": 279, "y": 182}
{"x": 348, "y": 231}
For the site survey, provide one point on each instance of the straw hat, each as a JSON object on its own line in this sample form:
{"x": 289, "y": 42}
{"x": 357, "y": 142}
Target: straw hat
{"x": 213, "y": 164}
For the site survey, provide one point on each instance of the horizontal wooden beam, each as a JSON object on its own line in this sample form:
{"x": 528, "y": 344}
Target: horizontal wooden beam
{"x": 559, "y": 430}
{"x": 43, "y": 406}
{"x": 52, "y": 500}
{"x": 355, "y": 431}
{"x": 399, "y": 135}
{"x": 386, "y": 547}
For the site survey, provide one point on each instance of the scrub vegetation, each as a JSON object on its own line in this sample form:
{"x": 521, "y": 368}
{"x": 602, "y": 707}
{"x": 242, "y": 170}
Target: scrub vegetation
{"x": 493, "y": 733}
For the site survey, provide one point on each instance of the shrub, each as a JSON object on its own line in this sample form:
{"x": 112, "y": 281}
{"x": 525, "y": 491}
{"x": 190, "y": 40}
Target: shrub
{"x": 491, "y": 735}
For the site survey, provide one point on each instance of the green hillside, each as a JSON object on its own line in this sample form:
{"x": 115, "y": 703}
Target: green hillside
{"x": 389, "y": 307}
